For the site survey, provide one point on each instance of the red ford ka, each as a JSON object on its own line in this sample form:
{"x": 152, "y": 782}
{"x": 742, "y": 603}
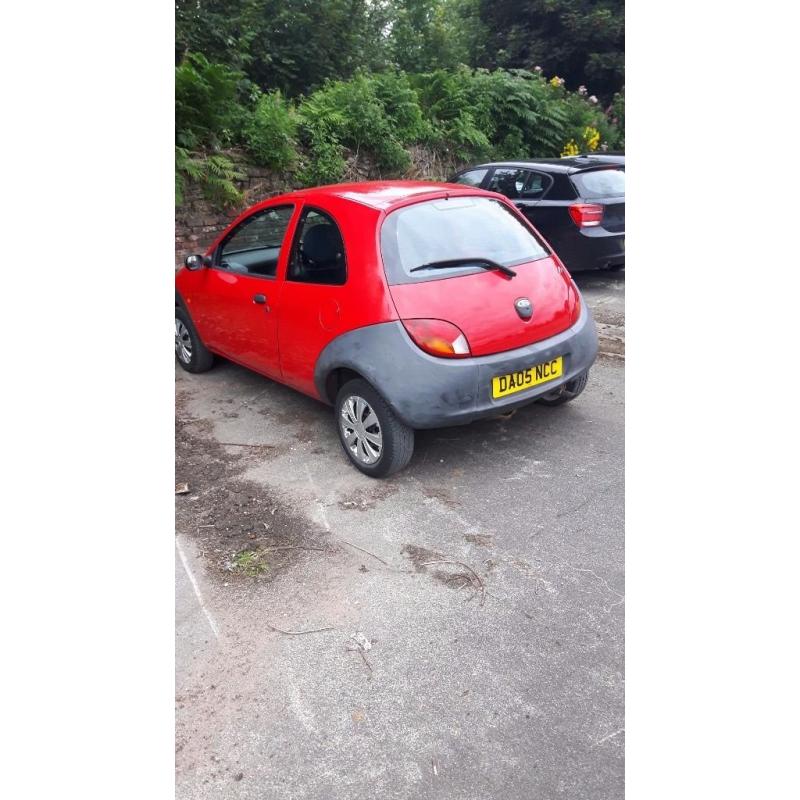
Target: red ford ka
{"x": 403, "y": 304}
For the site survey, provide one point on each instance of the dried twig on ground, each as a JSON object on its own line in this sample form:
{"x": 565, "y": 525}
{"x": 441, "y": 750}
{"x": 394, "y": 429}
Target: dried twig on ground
{"x": 467, "y": 567}
{"x": 296, "y": 633}
{"x": 358, "y": 641}
{"x": 369, "y": 666}
{"x": 364, "y": 551}
{"x": 243, "y": 444}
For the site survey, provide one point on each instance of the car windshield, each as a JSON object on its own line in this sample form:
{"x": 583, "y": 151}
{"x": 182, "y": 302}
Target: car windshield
{"x": 600, "y": 183}
{"x": 451, "y": 230}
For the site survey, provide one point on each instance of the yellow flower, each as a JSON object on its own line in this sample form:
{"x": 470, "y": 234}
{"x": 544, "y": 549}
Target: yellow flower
{"x": 555, "y": 81}
{"x": 570, "y": 148}
{"x": 592, "y": 138}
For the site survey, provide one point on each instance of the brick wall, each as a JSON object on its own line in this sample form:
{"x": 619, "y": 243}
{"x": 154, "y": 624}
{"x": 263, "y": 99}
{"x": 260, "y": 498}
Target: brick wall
{"x": 197, "y": 222}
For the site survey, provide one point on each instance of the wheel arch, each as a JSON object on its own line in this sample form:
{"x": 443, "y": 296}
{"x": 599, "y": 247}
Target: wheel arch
{"x": 335, "y": 378}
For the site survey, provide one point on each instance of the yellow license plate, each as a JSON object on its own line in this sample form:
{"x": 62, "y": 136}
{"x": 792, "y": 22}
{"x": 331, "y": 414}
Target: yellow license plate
{"x": 503, "y": 385}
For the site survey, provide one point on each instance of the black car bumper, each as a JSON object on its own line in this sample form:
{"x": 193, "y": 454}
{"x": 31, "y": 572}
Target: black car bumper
{"x": 592, "y": 248}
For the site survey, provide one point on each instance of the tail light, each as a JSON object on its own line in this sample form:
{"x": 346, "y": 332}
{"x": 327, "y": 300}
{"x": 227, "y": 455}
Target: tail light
{"x": 586, "y": 215}
{"x": 437, "y": 337}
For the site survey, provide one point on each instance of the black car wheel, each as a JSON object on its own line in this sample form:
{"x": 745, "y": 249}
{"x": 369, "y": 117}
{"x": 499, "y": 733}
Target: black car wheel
{"x": 191, "y": 353}
{"x": 376, "y": 441}
{"x": 569, "y": 391}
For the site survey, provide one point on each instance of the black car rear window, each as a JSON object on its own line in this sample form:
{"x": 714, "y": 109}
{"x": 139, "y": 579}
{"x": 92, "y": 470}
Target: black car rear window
{"x": 600, "y": 183}
{"x": 447, "y": 229}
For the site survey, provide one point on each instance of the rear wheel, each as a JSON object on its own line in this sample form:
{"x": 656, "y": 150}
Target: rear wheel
{"x": 191, "y": 353}
{"x": 569, "y": 391}
{"x": 376, "y": 441}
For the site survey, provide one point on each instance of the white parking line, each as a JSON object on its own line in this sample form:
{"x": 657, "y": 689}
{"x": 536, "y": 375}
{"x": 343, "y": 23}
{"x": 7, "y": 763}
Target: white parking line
{"x": 212, "y": 624}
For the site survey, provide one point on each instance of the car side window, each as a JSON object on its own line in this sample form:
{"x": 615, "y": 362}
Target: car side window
{"x": 472, "y": 178}
{"x": 254, "y": 246}
{"x": 509, "y": 181}
{"x": 536, "y": 185}
{"x": 318, "y": 253}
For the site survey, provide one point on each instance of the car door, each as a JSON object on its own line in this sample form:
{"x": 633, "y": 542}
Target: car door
{"x": 238, "y": 299}
{"x": 532, "y": 191}
{"x": 314, "y": 295}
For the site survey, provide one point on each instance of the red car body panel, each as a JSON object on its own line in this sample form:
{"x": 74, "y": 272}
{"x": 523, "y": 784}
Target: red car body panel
{"x": 284, "y": 337}
{"x": 482, "y": 305}
{"x": 312, "y": 315}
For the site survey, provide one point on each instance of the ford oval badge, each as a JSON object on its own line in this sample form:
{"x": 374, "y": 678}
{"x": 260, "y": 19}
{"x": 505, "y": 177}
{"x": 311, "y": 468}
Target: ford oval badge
{"x": 524, "y": 307}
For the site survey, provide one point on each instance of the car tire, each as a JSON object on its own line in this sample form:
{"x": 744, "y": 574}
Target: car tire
{"x": 391, "y": 442}
{"x": 190, "y": 351}
{"x": 569, "y": 391}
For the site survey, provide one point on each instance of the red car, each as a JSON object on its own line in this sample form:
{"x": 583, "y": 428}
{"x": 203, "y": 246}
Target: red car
{"x": 403, "y": 304}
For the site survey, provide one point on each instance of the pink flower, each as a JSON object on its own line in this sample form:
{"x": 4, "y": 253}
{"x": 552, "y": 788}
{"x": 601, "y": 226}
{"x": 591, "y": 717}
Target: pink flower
{"x": 537, "y": 69}
{"x": 593, "y": 99}
{"x": 582, "y": 90}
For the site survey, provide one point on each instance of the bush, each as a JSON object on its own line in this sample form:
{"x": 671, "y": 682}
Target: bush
{"x": 215, "y": 173}
{"x": 445, "y": 102}
{"x": 207, "y": 107}
{"x": 270, "y": 132}
{"x": 461, "y": 114}
{"x": 351, "y": 114}
{"x": 518, "y": 109}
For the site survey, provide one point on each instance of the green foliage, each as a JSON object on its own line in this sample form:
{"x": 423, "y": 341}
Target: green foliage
{"x": 301, "y": 85}
{"x": 206, "y": 102}
{"x": 460, "y": 114}
{"x": 293, "y": 46}
{"x": 617, "y": 118}
{"x": 426, "y": 35}
{"x": 401, "y": 105}
{"x": 270, "y": 132}
{"x": 358, "y": 114}
{"x": 444, "y": 97}
{"x": 520, "y": 113}
{"x": 583, "y": 41}
{"x": 215, "y": 173}
{"x": 500, "y": 114}
{"x": 250, "y": 562}
{"x": 297, "y": 46}
{"x": 582, "y": 114}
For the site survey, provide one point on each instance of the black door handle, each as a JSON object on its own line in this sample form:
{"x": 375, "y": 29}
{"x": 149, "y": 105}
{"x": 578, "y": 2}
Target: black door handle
{"x": 261, "y": 299}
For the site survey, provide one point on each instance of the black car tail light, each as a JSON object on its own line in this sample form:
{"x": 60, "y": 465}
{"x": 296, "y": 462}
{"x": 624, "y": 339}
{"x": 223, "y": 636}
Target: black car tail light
{"x": 586, "y": 215}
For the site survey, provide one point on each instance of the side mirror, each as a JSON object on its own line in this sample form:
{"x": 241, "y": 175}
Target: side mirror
{"x": 195, "y": 262}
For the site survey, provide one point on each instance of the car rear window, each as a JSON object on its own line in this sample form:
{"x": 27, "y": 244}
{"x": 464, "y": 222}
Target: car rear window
{"x": 600, "y": 183}
{"x": 453, "y": 228}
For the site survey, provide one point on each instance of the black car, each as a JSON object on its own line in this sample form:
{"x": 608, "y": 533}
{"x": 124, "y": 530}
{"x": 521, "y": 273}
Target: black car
{"x": 578, "y": 204}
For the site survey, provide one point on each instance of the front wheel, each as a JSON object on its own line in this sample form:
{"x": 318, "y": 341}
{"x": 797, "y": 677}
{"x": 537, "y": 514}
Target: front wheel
{"x": 376, "y": 441}
{"x": 569, "y": 391}
{"x": 191, "y": 353}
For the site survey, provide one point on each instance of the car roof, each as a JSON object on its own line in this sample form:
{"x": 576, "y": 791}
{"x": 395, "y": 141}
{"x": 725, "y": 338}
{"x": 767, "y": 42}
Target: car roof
{"x": 383, "y": 195}
{"x": 566, "y": 166}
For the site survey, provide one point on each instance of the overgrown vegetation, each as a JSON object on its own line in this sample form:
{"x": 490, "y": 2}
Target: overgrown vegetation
{"x": 250, "y": 562}
{"x": 300, "y": 86}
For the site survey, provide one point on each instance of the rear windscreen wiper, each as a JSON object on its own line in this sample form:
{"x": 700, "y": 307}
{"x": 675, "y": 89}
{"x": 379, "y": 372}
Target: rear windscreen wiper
{"x": 483, "y": 263}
